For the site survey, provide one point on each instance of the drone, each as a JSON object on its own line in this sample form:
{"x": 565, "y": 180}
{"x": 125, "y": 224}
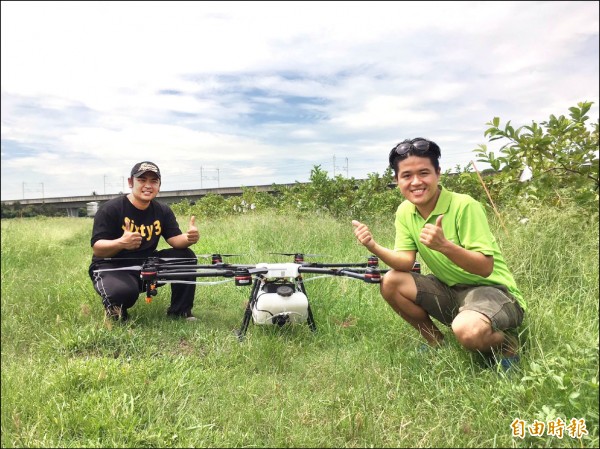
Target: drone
{"x": 278, "y": 293}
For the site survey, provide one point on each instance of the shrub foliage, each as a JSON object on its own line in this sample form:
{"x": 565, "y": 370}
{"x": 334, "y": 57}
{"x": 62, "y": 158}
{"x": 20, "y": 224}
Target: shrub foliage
{"x": 561, "y": 154}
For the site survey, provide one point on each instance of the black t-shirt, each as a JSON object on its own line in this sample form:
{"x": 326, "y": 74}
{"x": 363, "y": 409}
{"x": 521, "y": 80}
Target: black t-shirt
{"x": 155, "y": 221}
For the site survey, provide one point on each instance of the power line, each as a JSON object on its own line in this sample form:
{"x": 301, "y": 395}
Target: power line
{"x": 111, "y": 183}
{"x": 33, "y": 190}
{"x": 203, "y": 177}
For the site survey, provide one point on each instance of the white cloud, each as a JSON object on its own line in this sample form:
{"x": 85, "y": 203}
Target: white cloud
{"x": 89, "y": 88}
{"x": 386, "y": 111}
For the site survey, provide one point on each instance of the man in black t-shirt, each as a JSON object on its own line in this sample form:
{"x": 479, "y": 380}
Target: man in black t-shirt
{"x": 129, "y": 228}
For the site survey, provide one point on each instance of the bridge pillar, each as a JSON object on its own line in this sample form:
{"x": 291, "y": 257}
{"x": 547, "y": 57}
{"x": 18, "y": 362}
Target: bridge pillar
{"x": 72, "y": 212}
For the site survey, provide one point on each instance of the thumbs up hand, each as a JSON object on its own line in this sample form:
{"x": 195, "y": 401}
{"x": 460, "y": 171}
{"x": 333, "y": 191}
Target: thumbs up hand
{"x": 129, "y": 239}
{"x": 192, "y": 233}
{"x": 363, "y": 234}
{"x": 433, "y": 236}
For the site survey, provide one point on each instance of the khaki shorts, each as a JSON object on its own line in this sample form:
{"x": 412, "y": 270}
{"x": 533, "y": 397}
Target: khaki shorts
{"x": 443, "y": 302}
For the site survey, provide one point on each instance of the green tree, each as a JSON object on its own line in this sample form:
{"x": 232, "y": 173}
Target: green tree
{"x": 377, "y": 195}
{"x": 562, "y": 154}
{"x": 251, "y": 200}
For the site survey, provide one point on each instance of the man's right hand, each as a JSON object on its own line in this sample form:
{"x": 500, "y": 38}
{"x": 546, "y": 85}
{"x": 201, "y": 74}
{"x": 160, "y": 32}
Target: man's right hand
{"x": 363, "y": 234}
{"x": 397, "y": 260}
{"x": 130, "y": 240}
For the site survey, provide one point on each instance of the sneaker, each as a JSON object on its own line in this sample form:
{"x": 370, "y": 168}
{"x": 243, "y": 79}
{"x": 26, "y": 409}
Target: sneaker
{"x": 509, "y": 363}
{"x": 426, "y": 348}
{"x": 188, "y": 316}
{"x": 117, "y": 312}
{"x": 509, "y": 358}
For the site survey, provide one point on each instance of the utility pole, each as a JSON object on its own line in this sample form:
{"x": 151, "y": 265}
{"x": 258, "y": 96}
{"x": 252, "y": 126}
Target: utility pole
{"x": 334, "y": 166}
{"x": 104, "y": 184}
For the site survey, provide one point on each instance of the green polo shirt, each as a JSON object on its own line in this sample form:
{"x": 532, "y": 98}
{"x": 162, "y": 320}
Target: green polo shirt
{"x": 464, "y": 223}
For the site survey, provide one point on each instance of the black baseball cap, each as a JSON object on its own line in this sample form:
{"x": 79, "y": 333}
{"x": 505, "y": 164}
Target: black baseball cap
{"x": 142, "y": 167}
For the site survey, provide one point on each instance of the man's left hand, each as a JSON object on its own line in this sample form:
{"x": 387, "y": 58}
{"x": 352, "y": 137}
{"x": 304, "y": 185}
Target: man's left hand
{"x": 192, "y": 233}
{"x": 432, "y": 236}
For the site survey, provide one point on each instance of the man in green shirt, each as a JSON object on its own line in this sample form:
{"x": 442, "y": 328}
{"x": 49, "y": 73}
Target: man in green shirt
{"x": 471, "y": 289}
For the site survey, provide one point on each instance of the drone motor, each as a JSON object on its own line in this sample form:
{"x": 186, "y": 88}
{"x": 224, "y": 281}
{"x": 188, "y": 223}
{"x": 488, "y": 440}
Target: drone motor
{"x": 242, "y": 277}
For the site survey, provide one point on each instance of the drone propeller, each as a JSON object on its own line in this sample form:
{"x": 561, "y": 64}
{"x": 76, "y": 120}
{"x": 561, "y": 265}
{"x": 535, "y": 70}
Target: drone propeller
{"x": 217, "y": 258}
{"x": 299, "y": 257}
{"x": 301, "y": 254}
{"x": 208, "y": 256}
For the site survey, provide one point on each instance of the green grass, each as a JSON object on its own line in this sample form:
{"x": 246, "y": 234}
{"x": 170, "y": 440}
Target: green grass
{"x": 70, "y": 379}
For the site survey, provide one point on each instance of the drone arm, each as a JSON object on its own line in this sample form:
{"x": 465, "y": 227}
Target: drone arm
{"x": 318, "y": 270}
{"x": 371, "y": 275}
{"x": 353, "y": 274}
{"x": 335, "y": 265}
{"x": 188, "y": 267}
{"x": 197, "y": 274}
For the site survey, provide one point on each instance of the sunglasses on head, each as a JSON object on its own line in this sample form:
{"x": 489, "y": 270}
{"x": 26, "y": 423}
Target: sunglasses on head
{"x": 402, "y": 148}
{"x": 420, "y": 146}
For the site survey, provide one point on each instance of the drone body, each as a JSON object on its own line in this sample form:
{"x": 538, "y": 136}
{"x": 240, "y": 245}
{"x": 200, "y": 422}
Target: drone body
{"x": 279, "y": 304}
{"x": 279, "y": 298}
{"x": 278, "y": 292}
{"x": 279, "y": 295}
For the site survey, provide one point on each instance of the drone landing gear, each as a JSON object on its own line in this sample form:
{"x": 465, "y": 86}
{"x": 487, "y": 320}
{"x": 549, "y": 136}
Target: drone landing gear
{"x": 310, "y": 320}
{"x": 279, "y": 320}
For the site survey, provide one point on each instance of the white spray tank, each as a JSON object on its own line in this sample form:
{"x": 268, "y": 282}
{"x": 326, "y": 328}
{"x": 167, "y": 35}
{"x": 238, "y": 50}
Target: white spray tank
{"x": 280, "y": 303}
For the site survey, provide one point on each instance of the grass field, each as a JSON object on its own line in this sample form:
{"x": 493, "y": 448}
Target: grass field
{"x": 72, "y": 379}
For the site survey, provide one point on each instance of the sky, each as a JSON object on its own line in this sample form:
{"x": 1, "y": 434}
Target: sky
{"x": 224, "y": 94}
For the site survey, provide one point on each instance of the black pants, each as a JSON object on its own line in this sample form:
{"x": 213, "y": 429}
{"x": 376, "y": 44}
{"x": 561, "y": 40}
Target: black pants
{"x": 123, "y": 287}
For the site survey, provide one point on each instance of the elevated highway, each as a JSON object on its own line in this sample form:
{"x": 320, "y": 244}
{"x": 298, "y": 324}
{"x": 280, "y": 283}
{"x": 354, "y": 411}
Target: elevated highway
{"x": 72, "y": 204}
